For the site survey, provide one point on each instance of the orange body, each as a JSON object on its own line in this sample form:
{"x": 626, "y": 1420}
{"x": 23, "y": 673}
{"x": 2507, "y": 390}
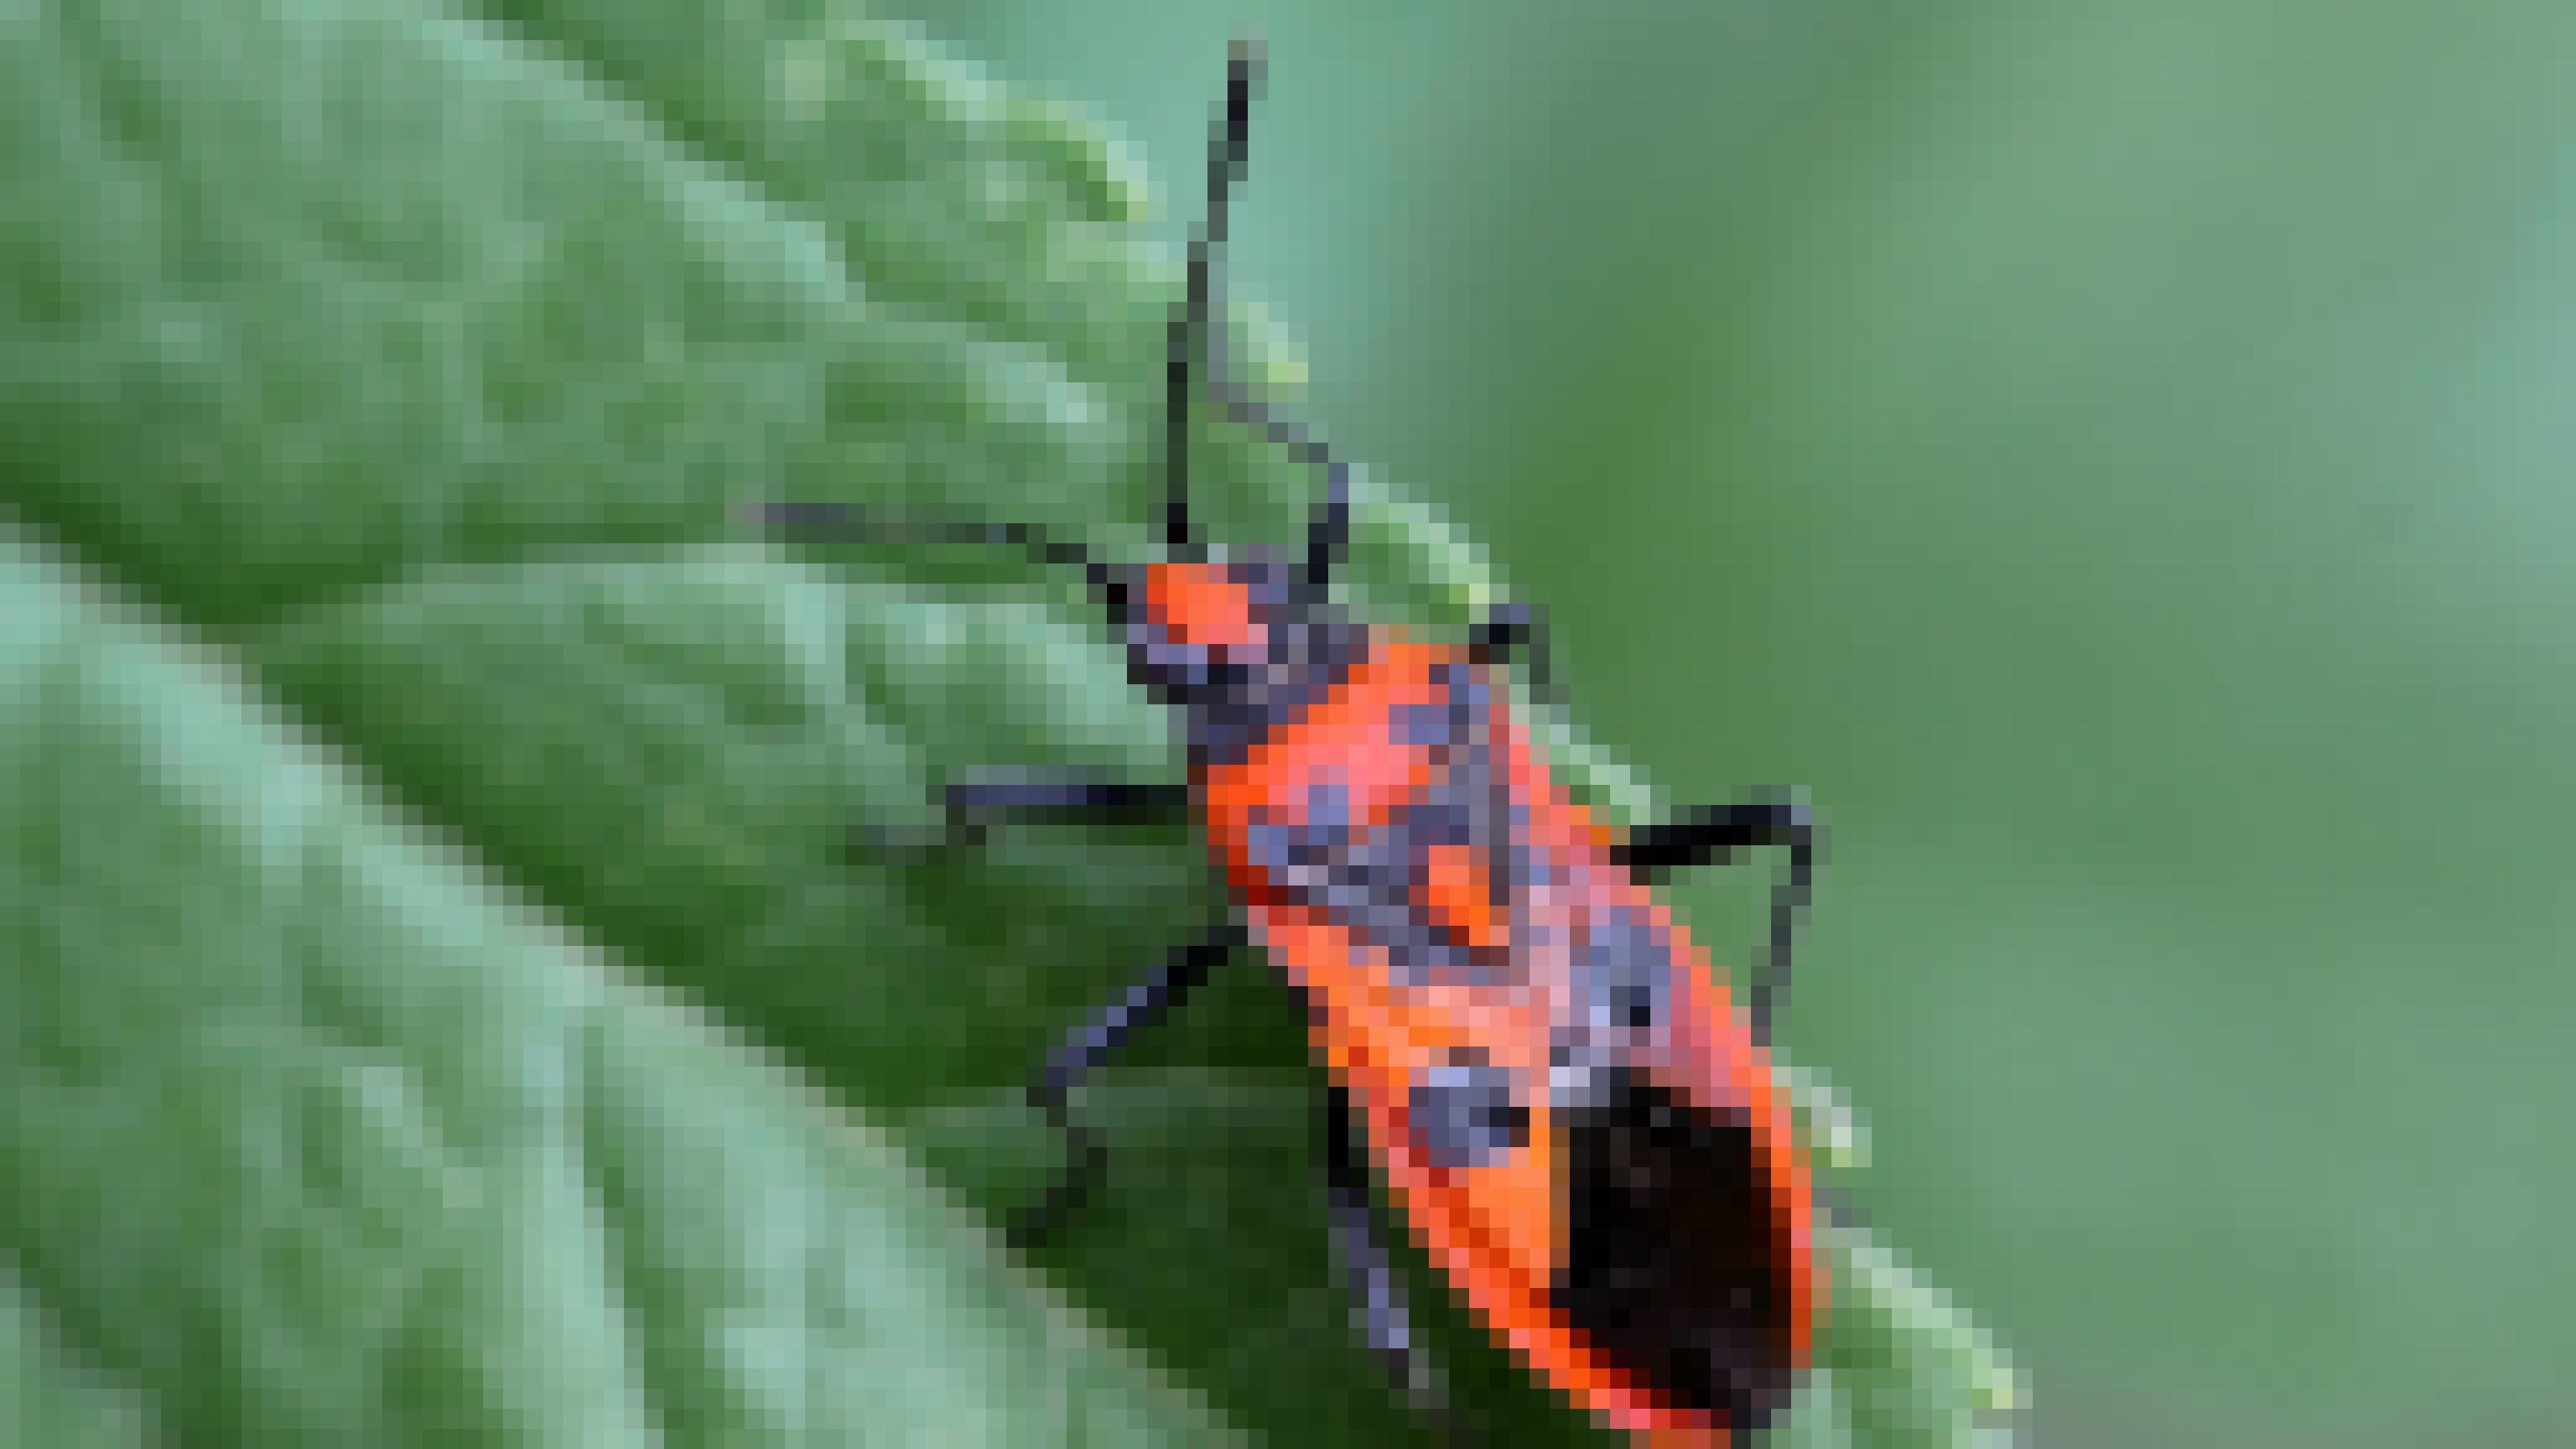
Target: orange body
{"x": 1475, "y": 939}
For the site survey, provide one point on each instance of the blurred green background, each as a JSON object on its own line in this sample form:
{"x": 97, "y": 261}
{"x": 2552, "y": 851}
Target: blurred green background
{"x": 2118, "y": 457}
{"x": 2113, "y": 456}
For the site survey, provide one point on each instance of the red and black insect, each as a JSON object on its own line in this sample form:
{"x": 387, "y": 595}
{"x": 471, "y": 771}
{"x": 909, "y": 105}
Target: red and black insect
{"x": 1573, "y": 1116}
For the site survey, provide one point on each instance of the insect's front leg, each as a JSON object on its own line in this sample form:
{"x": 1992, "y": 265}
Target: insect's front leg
{"x": 967, "y": 807}
{"x": 1144, "y": 1004}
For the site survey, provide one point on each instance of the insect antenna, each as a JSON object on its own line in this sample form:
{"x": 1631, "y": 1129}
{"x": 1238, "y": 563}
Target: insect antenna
{"x": 1195, "y": 339}
{"x": 1190, "y": 327}
{"x": 848, "y": 523}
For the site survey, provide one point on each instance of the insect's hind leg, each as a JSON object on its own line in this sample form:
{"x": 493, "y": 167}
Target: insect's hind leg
{"x": 1144, "y": 1004}
{"x": 1375, "y": 1290}
{"x": 1711, "y": 834}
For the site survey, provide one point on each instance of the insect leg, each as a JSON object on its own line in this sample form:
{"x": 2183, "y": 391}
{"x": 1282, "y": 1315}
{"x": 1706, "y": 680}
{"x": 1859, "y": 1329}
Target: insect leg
{"x": 1145, "y": 1003}
{"x": 968, "y": 806}
{"x": 1040, "y": 794}
{"x": 1513, "y": 631}
{"x": 1373, "y": 1284}
{"x": 1712, "y": 833}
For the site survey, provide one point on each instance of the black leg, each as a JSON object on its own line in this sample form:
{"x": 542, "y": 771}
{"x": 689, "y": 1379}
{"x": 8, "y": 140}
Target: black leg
{"x": 1045, "y": 794}
{"x": 968, "y": 806}
{"x": 1511, "y": 632}
{"x": 1144, "y": 1004}
{"x": 1711, "y": 834}
{"x": 1374, "y": 1288}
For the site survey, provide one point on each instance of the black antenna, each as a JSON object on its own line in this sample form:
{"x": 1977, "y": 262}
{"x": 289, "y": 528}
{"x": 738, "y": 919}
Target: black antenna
{"x": 1109, "y": 583}
{"x": 1328, "y": 532}
{"x": 1190, "y": 328}
{"x": 860, "y": 525}
{"x": 1194, "y": 337}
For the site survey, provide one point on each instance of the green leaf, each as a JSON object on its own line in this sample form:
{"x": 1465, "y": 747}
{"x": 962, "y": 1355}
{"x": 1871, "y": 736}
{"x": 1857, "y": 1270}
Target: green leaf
{"x": 47, "y": 1394}
{"x": 331, "y": 1140}
{"x": 442, "y": 1003}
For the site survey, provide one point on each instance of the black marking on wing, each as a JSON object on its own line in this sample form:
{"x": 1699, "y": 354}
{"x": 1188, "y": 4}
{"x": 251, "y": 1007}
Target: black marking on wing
{"x": 1673, "y": 1259}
